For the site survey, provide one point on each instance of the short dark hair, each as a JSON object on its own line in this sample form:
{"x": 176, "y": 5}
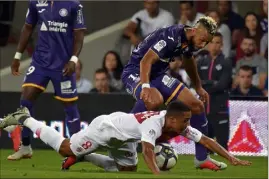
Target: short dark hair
{"x": 246, "y": 68}
{"x": 101, "y": 70}
{"x": 191, "y": 3}
{"x": 217, "y": 34}
{"x": 176, "y": 108}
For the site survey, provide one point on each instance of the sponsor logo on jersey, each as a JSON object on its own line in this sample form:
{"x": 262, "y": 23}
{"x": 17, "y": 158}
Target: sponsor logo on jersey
{"x": 41, "y": 10}
{"x": 54, "y": 26}
{"x": 159, "y": 45}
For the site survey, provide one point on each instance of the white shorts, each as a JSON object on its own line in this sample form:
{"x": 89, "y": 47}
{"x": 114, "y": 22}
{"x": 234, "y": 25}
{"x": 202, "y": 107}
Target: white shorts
{"x": 125, "y": 155}
{"x": 94, "y": 136}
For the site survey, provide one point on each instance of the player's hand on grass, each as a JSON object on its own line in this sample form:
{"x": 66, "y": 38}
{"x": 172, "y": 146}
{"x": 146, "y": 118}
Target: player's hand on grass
{"x": 69, "y": 68}
{"x": 236, "y": 161}
{"x": 204, "y": 97}
{"x": 15, "y": 67}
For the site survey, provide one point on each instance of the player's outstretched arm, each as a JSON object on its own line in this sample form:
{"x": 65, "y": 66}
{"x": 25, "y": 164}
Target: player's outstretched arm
{"x": 215, "y": 147}
{"x": 149, "y": 157}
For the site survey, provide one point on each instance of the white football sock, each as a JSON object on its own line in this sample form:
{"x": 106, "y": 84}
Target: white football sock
{"x": 47, "y": 134}
{"x": 102, "y": 161}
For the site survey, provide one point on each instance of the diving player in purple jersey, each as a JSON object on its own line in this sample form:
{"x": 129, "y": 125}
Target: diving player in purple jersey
{"x": 147, "y": 68}
{"x": 61, "y": 29}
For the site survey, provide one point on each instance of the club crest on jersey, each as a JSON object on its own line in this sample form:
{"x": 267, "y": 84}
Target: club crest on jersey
{"x": 41, "y": 3}
{"x": 63, "y": 12}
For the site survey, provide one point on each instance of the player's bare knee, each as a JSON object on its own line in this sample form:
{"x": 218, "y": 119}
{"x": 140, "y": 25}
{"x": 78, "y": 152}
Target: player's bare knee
{"x": 197, "y": 107}
{"x": 65, "y": 149}
{"x": 127, "y": 168}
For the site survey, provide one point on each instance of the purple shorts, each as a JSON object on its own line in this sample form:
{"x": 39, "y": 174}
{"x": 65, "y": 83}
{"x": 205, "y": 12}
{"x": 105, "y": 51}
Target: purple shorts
{"x": 168, "y": 86}
{"x": 64, "y": 86}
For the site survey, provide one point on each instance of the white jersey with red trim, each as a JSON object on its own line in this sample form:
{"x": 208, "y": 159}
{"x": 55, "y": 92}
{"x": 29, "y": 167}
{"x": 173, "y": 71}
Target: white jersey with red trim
{"x": 146, "y": 126}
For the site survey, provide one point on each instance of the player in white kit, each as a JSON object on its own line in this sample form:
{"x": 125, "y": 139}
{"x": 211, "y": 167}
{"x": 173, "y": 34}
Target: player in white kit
{"x": 119, "y": 133}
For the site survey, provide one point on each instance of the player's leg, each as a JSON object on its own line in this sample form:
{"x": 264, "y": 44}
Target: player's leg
{"x": 172, "y": 89}
{"x": 126, "y": 157}
{"x": 119, "y": 159}
{"x": 34, "y": 84}
{"x": 133, "y": 87}
{"x": 66, "y": 92}
{"x": 199, "y": 121}
{"x": 79, "y": 144}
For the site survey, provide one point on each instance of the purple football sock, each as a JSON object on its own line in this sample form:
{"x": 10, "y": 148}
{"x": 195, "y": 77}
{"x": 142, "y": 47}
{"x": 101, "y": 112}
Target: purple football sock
{"x": 26, "y": 132}
{"x": 200, "y": 123}
{"x": 139, "y": 107}
{"x": 72, "y": 119}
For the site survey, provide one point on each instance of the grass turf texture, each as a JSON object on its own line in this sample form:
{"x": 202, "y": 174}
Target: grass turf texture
{"x": 47, "y": 163}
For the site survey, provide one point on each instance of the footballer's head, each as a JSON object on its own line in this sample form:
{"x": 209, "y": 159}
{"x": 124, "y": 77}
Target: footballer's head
{"x": 204, "y": 31}
{"x": 177, "y": 117}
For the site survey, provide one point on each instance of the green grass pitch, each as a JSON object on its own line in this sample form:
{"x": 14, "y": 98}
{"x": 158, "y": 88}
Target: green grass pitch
{"x": 47, "y": 163}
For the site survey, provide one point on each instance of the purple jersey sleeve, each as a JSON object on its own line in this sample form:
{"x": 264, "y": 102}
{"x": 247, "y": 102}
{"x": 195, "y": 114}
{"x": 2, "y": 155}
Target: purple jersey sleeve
{"x": 78, "y": 19}
{"x": 31, "y": 15}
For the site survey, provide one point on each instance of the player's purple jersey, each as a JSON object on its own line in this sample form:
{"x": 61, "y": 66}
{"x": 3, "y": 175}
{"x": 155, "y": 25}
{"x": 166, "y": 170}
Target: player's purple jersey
{"x": 55, "y": 21}
{"x": 167, "y": 43}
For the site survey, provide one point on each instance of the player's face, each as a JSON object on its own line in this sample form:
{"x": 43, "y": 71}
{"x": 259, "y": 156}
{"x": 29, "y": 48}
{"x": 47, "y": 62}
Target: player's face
{"x": 214, "y": 47}
{"x": 179, "y": 123}
{"x": 245, "y": 79}
{"x": 201, "y": 37}
{"x": 151, "y": 6}
{"x": 110, "y": 62}
{"x": 101, "y": 81}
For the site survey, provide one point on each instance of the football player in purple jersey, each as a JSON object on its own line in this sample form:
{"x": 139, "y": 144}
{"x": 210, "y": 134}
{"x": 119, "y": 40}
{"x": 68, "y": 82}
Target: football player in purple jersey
{"x": 61, "y": 27}
{"x": 147, "y": 68}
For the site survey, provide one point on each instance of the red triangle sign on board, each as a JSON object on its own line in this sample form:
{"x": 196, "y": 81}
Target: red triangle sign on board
{"x": 245, "y": 138}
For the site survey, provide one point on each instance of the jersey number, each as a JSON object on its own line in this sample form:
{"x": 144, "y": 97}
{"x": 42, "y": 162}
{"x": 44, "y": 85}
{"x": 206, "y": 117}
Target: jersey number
{"x": 140, "y": 117}
{"x": 30, "y": 70}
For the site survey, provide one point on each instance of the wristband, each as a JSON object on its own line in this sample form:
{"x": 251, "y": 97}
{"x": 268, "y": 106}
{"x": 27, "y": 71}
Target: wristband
{"x": 145, "y": 85}
{"x": 74, "y": 59}
{"x": 18, "y": 55}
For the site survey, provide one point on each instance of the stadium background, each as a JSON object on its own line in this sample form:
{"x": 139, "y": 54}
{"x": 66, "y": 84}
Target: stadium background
{"x": 105, "y": 22}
